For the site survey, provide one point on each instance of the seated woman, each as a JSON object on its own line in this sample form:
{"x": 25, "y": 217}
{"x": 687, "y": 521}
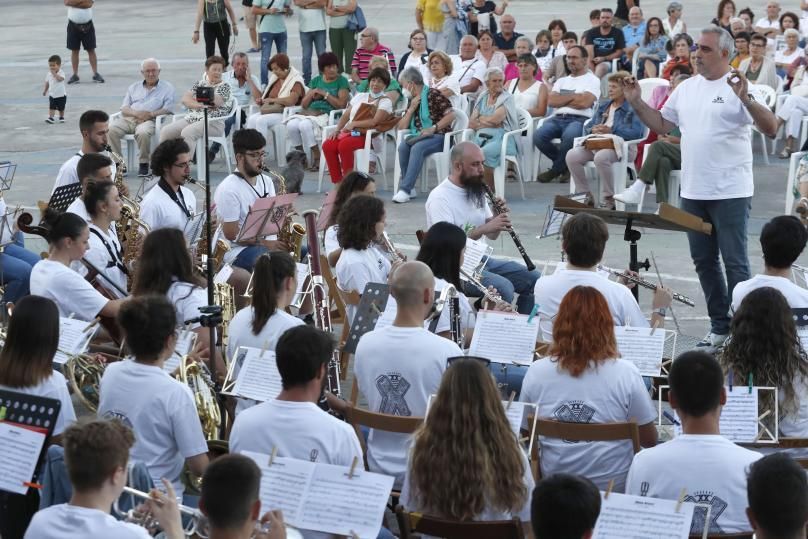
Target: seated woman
{"x": 652, "y": 50}
{"x": 680, "y": 54}
{"x": 392, "y": 90}
{"x": 262, "y": 323}
{"x": 494, "y": 114}
{"x": 786, "y": 56}
{"x": 759, "y": 68}
{"x": 339, "y": 146}
{"x": 527, "y": 90}
{"x": 440, "y": 77}
{"x": 616, "y": 117}
{"x": 16, "y": 261}
{"x": 465, "y": 463}
{"x": 68, "y": 239}
{"x": 284, "y": 89}
{"x": 190, "y": 127}
{"x": 104, "y": 207}
{"x": 361, "y": 223}
{"x": 741, "y": 49}
{"x": 418, "y": 54}
{"x": 354, "y": 183}
{"x": 522, "y": 47}
{"x": 428, "y": 118}
{"x": 327, "y": 91}
{"x": 488, "y": 53}
{"x": 543, "y": 52}
{"x": 583, "y": 380}
{"x": 790, "y": 113}
{"x": 764, "y": 347}
{"x": 159, "y": 409}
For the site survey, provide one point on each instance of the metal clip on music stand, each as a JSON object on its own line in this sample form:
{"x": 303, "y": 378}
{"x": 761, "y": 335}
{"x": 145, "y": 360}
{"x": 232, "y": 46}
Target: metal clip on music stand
{"x": 668, "y": 218}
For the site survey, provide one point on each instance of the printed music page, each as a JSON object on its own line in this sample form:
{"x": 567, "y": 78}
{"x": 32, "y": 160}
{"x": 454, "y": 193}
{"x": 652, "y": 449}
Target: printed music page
{"x": 515, "y": 414}
{"x": 283, "y": 485}
{"x": 623, "y": 516}
{"x": 185, "y": 344}
{"x": 388, "y": 315}
{"x": 505, "y": 337}
{"x": 73, "y": 340}
{"x": 258, "y": 379}
{"x": 642, "y": 348}
{"x": 20, "y": 448}
{"x": 739, "y": 417}
{"x": 475, "y": 251}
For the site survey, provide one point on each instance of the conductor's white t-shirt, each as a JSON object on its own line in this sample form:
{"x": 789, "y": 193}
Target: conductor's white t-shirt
{"x": 716, "y": 139}
{"x": 161, "y": 412}
{"x": 549, "y": 291}
{"x": 796, "y": 296}
{"x": 356, "y": 268}
{"x": 69, "y": 290}
{"x": 52, "y": 387}
{"x": 158, "y": 210}
{"x": 449, "y": 202}
{"x": 613, "y": 392}
{"x": 711, "y": 469}
{"x": 65, "y": 521}
{"x": 397, "y": 369}
{"x": 233, "y": 198}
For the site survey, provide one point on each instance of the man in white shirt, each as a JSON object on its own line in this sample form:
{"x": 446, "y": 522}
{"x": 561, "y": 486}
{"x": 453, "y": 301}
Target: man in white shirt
{"x": 467, "y": 68}
{"x": 94, "y": 128}
{"x": 91, "y": 166}
{"x": 169, "y": 204}
{"x": 584, "y": 238}
{"x": 81, "y": 33}
{"x": 710, "y": 468}
{"x": 782, "y": 240}
{"x": 399, "y": 367}
{"x": 769, "y": 25}
{"x": 311, "y": 17}
{"x": 460, "y": 199}
{"x": 573, "y": 98}
{"x": 244, "y": 87}
{"x": 777, "y": 490}
{"x": 96, "y": 456}
{"x": 714, "y": 111}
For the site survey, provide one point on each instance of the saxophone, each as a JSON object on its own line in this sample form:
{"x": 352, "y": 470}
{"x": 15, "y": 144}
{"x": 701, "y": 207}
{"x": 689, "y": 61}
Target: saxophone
{"x": 224, "y": 295}
{"x": 289, "y": 232}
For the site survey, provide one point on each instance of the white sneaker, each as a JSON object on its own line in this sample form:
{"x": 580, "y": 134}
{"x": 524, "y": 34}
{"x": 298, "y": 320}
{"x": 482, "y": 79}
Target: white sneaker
{"x": 628, "y": 197}
{"x": 413, "y": 193}
{"x": 711, "y": 342}
{"x": 401, "y": 197}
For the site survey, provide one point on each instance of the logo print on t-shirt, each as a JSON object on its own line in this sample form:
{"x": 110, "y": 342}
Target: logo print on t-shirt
{"x": 392, "y": 388}
{"x": 719, "y": 100}
{"x": 574, "y": 412}
{"x": 717, "y": 507}
{"x": 313, "y": 455}
{"x": 120, "y": 416}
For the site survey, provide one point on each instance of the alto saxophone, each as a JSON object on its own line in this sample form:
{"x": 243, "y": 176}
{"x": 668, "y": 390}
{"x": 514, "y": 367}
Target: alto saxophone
{"x": 131, "y": 230}
{"x": 225, "y": 296}
{"x": 289, "y": 232}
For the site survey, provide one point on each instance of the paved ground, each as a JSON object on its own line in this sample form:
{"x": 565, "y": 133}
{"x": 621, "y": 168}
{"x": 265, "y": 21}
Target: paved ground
{"x": 31, "y": 30}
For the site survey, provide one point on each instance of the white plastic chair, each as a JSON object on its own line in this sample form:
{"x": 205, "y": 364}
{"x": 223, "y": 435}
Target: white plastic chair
{"x": 128, "y": 145}
{"x": 525, "y": 121}
{"x": 791, "y": 179}
{"x": 767, "y": 96}
{"x": 225, "y": 141}
{"x": 647, "y": 87}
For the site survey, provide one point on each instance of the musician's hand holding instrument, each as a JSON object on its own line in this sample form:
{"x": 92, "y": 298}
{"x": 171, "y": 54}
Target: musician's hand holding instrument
{"x": 627, "y": 283}
{"x": 164, "y": 509}
{"x": 663, "y": 297}
{"x": 272, "y": 522}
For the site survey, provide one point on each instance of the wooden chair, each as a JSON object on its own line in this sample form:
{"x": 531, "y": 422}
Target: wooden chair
{"x": 341, "y": 298}
{"x": 409, "y": 523}
{"x": 337, "y": 316}
{"x": 359, "y": 417}
{"x": 579, "y": 432}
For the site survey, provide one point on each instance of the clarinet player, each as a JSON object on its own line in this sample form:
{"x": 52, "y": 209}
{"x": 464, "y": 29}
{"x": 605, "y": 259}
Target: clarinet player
{"x": 460, "y": 199}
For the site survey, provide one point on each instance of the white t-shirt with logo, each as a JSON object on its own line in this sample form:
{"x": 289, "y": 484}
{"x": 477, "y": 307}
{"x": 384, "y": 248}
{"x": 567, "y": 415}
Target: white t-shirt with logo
{"x": 52, "y": 387}
{"x": 158, "y": 210}
{"x": 464, "y": 71}
{"x": 65, "y": 521}
{"x": 716, "y": 139}
{"x": 587, "y": 82}
{"x": 711, "y": 469}
{"x": 233, "y": 198}
{"x": 550, "y": 291}
{"x": 161, "y": 412}
{"x": 448, "y": 202}
{"x": 613, "y": 392}
{"x": 796, "y": 296}
{"x": 397, "y": 369}
{"x": 69, "y": 290}
{"x": 357, "y": 268}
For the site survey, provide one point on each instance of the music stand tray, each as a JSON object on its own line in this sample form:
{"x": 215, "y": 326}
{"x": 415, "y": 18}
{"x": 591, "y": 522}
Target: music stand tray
{"x": 64, "y": 196}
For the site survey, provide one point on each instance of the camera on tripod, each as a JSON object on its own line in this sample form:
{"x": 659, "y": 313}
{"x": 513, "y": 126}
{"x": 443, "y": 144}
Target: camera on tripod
{"x": 210, "y": 318}
{"x": 204, "y": 94}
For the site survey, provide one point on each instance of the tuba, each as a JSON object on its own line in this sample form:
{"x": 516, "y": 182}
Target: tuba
{"x": 289, "y": 232}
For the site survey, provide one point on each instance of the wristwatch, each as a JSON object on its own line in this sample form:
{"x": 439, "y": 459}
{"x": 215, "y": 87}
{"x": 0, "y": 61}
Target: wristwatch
{"x": 751, "y": 100}
{"x": 662, "y": 311}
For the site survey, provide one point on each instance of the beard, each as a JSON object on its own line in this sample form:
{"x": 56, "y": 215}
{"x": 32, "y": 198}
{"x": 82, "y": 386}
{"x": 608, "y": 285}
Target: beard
{"x": 474, "y": 185}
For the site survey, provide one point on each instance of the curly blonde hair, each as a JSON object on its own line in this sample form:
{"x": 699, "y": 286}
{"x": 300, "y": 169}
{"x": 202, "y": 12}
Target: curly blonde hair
{"x": 465, "y": 457}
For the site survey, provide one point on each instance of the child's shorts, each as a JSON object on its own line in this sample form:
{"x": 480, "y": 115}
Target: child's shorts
{"x": 57, "y": 103}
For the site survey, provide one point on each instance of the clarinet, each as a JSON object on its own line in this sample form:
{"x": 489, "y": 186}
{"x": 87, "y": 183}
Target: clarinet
{"x": 455, "y": 328}
{"x": 497, "y": 208}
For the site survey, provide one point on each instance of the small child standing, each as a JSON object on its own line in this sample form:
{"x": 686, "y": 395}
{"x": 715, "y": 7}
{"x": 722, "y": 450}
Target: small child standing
{"x": 55, "y": 89}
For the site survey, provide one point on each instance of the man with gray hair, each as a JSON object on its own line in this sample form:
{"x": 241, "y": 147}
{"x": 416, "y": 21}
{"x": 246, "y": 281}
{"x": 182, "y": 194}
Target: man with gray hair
{"x": 713, "y": 111}
{"x": 144, "y": 101}
{"x": 469, "y": 70}
{"x": 428, "y": 118}
{"x": 369, "y": 47}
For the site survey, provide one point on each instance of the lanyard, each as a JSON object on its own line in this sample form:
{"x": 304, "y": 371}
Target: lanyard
{"x": 175, "y": 196}
{"x": 263, "y": 184}
{"x": 115, "y": 254}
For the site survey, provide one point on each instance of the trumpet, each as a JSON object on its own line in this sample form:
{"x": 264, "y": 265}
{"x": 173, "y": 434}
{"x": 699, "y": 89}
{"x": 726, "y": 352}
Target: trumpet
{"x": 384, "y": 239}
{"x": 496, "y": 299}
{"x": 198, "y": 523}
{"x": 645, "y": 284}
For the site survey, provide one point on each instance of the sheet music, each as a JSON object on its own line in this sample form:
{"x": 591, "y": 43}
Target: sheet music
{"x": 622, "y": 516}
{"x": 388, "y": 315}
{"x": 20, "y": 448}
{"x": 739, "y": 416}
{"x": 283, "y": 485}
{"x": 185, "y": 345}
{"x": 73, "y": 340}
{"x": 505, "y": 337}
{"x": 475, "y": 251}
{"x": 193, "y": 229}
{"x": 642, "y": 348}
{"x": 515, "y": 414}
{"x": 223, "y": 274}
{"x": 258, "y": 378}
{"x": 301, "y": 274}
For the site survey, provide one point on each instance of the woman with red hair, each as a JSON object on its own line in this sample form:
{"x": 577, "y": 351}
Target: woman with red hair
{"x": 583, "y": 380}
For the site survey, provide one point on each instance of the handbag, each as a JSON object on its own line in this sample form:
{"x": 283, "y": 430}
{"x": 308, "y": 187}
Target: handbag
{"x": 356, "y": 21}
{"x": 366, "y": 111}
{"x": 599, "y": 143}
{"x": 272, "y": 108}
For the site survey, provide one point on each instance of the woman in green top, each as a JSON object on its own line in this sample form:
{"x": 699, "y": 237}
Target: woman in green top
{"x": 343, "y": 41}
{"x": 327, "y": 92}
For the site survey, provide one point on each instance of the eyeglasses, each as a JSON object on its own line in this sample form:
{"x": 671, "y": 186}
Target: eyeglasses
{"x": 186, "y": 164}
{"x": 365, "y": 35}
{"x": 255, "y": 155}
{"x": 753, "y": 44}
{"x": 418, "y": 38}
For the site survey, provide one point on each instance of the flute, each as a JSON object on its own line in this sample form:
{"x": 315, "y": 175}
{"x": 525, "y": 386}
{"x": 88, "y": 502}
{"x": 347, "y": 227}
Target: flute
{"x": 646, "y": 284}
{"x": 490, "y": 296}
{"x": 497, "y": 208}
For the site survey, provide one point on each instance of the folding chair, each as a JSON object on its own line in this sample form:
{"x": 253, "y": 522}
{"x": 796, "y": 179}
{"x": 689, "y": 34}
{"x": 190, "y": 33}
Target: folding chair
{"x": 410, "y": 522}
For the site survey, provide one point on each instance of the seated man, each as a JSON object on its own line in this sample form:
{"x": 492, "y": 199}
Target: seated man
{"x": 633, "y": 34}
{"x": 573, "y": 99}
{"x": 400, "y": 366}
{"x": 782, "y": 239}
{"x": 564, "y": 506}
{"x": 777, "y": 491}
{"x": 96, "y": 456}
{"x": 583, "y": 240}
{"x": 466, "y": 67}
{"x": 90, "y": 166}
{"x": 169, "y": 203}
{"x": 604, "y": 44}
{"x": 460, "y": 199}
{"x": 244, "y": 87}
{"x": 505, "y": 39}
{"x": 558, "y": 66}
{"x": 144, "y": 101}
{"x": 369, "y": 46}
{"x": 710, "y": 468}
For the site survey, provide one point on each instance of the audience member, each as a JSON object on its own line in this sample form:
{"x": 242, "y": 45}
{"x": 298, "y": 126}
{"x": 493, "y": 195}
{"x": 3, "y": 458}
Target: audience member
{"x": 652, "y": 49}
{"x": 494, "y": 114}
{"x": 311, "y": 23}
{"x": 748, "y": 18}
{"x": 81, "y": 33}
{"x": 784, "y": 57}
{"x": 467, "y": 67}
{"x": 342, "y": 39}
{"x": 673, "y": 23}
{"x": 271, "y": 29}
{"x": 284, "y": 89}
{"x": 418, "y": 54}
{"x": 557, "y": 30}
{"x": 604, "y": 44}
{"x": 558, "y": 67}
{"x": 726, "y": 10}
{"x": 543, "y": 49}
{"x": 769, "y": 25}
{"x": 680, "y": 55}
{"x": 777, "y": 493}
{"x": 439, "y": 76}
{"x": 369, "y": 46}
{"x": 455, "y": 25}
{"x": 528, "y": 93}
{"x": 487, "y": 54}
{"x": 212, "y": 15}
{"x": 564, "y": 506}
{"x": 429, "y": 19}
{"x": 741, "y": 49}
{"x": 505, "y": 40}
{"x": 759, "y": 68}
{"x": 522, "y": 47}
{"x": 633, "y": 34}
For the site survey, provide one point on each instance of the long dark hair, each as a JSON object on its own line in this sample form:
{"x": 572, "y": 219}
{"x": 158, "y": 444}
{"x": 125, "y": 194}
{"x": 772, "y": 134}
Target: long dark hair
{"x": 164, "y": 259}
{"x": 271, "y": 269}
{"x": 357, "y": 221}
{"x": 353, "y": 182}
{"x": 33, "y": 336}
{"x": 441, "y": 250}
{"x": 62, "y": 225}
{"x": 148, "y": 321}
{"x": 647, "y": 37}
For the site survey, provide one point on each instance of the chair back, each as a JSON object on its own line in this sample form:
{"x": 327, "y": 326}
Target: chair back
{"x": 763, "y": 94}
{"x": 411, "y": 522}
{"x": 647, "y": 87}
{"x": 359, "y": 418}
{"x": 461, "y": 120}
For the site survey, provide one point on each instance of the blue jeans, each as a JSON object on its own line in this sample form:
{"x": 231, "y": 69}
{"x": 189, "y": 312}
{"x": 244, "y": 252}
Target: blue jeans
{"x": 248, "y": 256}
{"x": 566, "y": 127}
{"x": 267, "y": 38}
{"x": 15, "y": 268}
{"x": 411, "y": 158}
{"x": 509, "y": 278}
{"x": 307, "y": 39}
{"x": 729, "y": 218}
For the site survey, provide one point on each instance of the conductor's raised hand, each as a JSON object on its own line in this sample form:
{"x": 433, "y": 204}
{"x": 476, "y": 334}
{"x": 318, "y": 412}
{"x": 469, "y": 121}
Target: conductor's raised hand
{"x": 631, "y": 89}
{"x": 739, "y": 84}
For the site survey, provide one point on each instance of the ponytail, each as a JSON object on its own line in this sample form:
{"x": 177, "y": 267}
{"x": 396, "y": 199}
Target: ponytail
{"x": 268, "y": 275}
{"x": 96, "y": 192}
{"x": 62, "y": 225}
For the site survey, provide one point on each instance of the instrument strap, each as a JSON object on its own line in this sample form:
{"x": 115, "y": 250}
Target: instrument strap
{"x": 115, "y": 253}
{"x": 263, "y": 184}
{"x": 175, "y": 196}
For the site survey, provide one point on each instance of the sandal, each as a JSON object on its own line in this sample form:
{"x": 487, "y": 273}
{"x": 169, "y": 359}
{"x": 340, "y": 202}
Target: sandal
{"x": 802, "y": 210}
{"x": 785, "y": 153}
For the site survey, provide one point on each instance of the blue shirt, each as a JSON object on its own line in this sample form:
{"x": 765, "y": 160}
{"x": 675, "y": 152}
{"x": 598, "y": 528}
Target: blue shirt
{"x": 632, "y": 35}
{"x": 139, "y": 97}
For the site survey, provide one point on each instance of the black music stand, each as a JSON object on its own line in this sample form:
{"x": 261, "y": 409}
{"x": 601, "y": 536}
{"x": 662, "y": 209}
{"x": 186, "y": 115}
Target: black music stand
{"x": 64, "y": 196}
{"x": 668, "y": 218}
{"x": 370, "y": 308}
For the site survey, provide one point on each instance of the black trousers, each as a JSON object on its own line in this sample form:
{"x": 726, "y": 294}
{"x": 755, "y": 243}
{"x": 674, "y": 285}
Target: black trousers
{"x": 217, "y": 32}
